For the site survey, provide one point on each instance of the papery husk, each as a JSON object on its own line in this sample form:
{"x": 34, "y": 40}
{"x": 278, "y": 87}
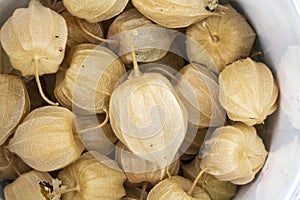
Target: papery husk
{"x": 28, "y": 186}
{"x": 87, "y": 79}
{"x": 248, "y": 91}
{"x": 233, "y": 39}
{"x": 46, "y": 140}
{"x": 96, "y": 177}
{"x": 139, "y": 170}
{"x": 11, "y": 166}
{"x": 35, "y": 36}
{"x": 176, "y": 188}
{"x": 234, "y": 153}
{"x": 199, "y": 90}
{"x": 217, "y": 190}
{"x": 134, "y": 193}
{"x": 95, "y": 137}
{"x": 175, "y": 13}
{"x": 94, "y": 10}
{"x": 76, "y": 35}
{"x": 148, "y": 117}
{"x": 193, "y": 141}
{"x": 14, "y": 104}
{"x": 151, "y": 42}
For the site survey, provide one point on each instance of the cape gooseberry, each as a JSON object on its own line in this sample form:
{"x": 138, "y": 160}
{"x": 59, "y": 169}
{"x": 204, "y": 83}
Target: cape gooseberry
{"x": 88, "y": 76}
{"x": 148, "y": 117}
{"x": 95, "y": 10}
{"x": 151, "y": 43}
{"x": 92, "y": 178}
{"x": 220, "y": 40}
{"x": 234, "y": 153}
{"x": 46, "y": 140}
{"x": 177, "y": 188}
{"x": 205, "y": 110}
{"x": 177, "y": 13}
{"x": 139, "y": 170}
{"x": 34, "y": 38}
{"x": 14, "y": 104}
{"x": 32, "y": 185}
{"x": 217, "y": 190}
{"x": 248, "y": 91}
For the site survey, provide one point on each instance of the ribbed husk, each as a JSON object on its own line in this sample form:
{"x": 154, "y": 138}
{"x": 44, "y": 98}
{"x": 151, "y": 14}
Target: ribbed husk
{"x": 234, "y": 154}
{"x": 134, "y": 193}
{"x": 234, "y": 40}
{"x": 217, "y": 190}
{"x": 35, "y": 33}
{"x": 193, "y": 141}
{"x": 176, "y": 188}
{"x": 28, "y": 186}
{"x": 14, "y": 104}
{"x": 248, "y": 91}
{"x": 94, "y": 10}
{"x": 87, "y": 79}
{"x": 95, "y": 138}
{"x": 148, "y": 49}
{"x": 175, "y": 13}
{"x": 95, "y": 177}
{"x": 11, "y": 165}
{"x": 139, "y": 170}
{"x": 148, "y": 117}
{"x": 46, "y": 140}
{"x": 199, "y": 90}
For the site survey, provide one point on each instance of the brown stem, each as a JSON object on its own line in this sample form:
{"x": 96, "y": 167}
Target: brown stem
{"x": 10, "y": 162}
{"x": 98, "y": 126}
{"x": 259, "y": 53}
{"x": 63, "y": 191}
{"x": 144, "y": 187}
{"x": 37, "y": 78}
{"x": 197, "y": 179}
{"x": 213, "y": 37}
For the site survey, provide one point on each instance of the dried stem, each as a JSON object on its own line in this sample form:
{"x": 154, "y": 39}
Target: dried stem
{"x": 63, "y": 191}
{"x": 197, "y": 179}
{"x": 10, "y": 161}
{"x": 259, "y": 53}
{"x": 37, "y": 78}
{"x": 144, "y": 187}
{"x": 100, "y": 125}
{"x": 50, "y": 4}
{"x": 213, "y": 37}
{"x": 134, "y": 60}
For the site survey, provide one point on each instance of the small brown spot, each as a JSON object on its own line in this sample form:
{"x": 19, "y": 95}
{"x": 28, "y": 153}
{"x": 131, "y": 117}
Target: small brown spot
{"x": 56, "y": 36}
{"x": 60, "y": 49}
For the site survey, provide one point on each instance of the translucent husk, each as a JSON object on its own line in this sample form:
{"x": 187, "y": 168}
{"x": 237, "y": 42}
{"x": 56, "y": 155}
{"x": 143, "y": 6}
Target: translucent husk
{"x": 14, "y": 104}
{"x": 46, "y": 140}
{"x": 176, "y": 13}
{"x": 177, "y": 188}
{"x": 217, "y": 190}
{"x": 149, "y": 49}
{"x": 94, "y": 10}
{"x": 93, "y": 178}
{"x": 220, "y": 40}
{"x": 87, "y": 79}
{"x": 28, "y": 186}
{"x": 35, "y": 38}
{"x": 139, "y": 170}
{"x": 235, "y": 153}
{"x": 248, "y": 91}
{"x": 203, "y": 106}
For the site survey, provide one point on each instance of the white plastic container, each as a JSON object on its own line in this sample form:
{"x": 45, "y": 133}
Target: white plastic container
{"x": 277, "y": 24}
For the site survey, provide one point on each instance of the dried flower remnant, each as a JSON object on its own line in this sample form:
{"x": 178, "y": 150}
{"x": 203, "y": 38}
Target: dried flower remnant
{"x": 220, "y": 40}
{"x": 248, "y": 91}
{"x": 29, "y": 39}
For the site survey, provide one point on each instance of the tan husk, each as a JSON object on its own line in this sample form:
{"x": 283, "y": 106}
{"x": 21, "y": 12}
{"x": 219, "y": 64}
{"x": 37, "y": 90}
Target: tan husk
{"x": 94, "y": 10}
{"x": 93, "y": 178}
{"x": 14, "y": 104}
{"x": 193, "y": 141}
{"x": 151, "y": 41}
{"x": 248, "y": 91}
{"x": 135, "y": 193}
{"x": 218, "y": 190}
{"x": 46, "y": 140}
{"x": 75, "y": 33}
{"x": 28, "y": 186}
{"x": 175, "y": 13}
{"x": 87, "y": 79}
{"x": 220, "y": 40}
{"x": 234, "y": 154}
{"x": 139, "y": 170}
{"x": 199, "y": 90}
{"x": 34, "y": 38}
{"x": 176, "y": 188}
